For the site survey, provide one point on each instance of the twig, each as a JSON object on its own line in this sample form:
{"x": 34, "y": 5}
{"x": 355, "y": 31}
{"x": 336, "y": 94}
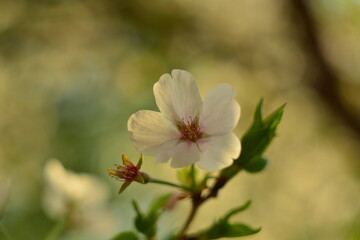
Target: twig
{"x": 158, "y": 181}
{"x": 198, "y": 200}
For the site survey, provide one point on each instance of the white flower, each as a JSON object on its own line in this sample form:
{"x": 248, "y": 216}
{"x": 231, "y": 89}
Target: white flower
{"x": 65, "y": 188}
{"x": 81, "y": 198}
{"x": 186, "y": 129}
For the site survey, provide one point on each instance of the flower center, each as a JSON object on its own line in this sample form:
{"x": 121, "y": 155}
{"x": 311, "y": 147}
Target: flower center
{"x": 126, "y": 173}
{"x": 190, "y": 130}
{"x": 130, "y": 173}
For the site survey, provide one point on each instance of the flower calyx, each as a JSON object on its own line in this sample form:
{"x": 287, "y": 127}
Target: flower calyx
{"x": 128, "y": 172}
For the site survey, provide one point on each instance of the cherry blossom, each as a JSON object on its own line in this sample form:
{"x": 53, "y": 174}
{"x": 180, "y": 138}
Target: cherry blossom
{"x": 187, "y": 129}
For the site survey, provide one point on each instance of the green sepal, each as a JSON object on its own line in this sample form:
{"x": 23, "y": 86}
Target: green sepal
{"x": 188, "y": 177}
{"x": 140, "y": 161}
{"x": 222, "y": 228}
{"x": 126, "y": 236}
{"x": 123, "y": 187}
{"x": 256, "y": 165}
{"x": 126, "y": 160}
{"x": 140, "y": 179}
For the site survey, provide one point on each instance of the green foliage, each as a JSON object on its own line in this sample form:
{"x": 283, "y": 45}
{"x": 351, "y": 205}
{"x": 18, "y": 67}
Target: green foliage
{"x": 258, "y": 137}
{"x": 187, "y": 176}
{"x": 146, "y": 223}
{"x": 256, "y": 165}
{"x": 222, "y": 227}
{"x": 191, "y": 180}
{"x": 126, "y": 236}
{"x": 255, "y": 141}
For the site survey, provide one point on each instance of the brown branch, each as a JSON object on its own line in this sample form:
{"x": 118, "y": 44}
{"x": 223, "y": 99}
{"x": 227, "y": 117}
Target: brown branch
{"x": 196, "y": 200}
{"x": 324, "y": 79}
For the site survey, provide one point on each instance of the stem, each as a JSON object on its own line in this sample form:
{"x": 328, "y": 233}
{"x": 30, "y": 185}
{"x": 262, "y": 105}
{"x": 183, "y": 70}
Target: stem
{"x": 190, "y": 218}
{"x": 197, "y": 201}
{"x": 158, "y": 181}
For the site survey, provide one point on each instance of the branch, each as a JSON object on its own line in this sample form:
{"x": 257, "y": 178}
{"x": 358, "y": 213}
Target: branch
{"x": 325, "y": 81}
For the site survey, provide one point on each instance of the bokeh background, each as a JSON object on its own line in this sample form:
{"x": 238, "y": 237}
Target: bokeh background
{"x": 73, "y": 71}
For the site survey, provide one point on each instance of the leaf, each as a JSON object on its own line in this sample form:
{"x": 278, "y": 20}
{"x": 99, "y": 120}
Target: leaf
{"x": 230, "y": 230}
{"x": 222, "y": 227}
{"x": 146, "y": 223}
{"x": 256, "y": 165}
{"x": 237, "y": 210}
{"x": 126, "y": 236}
{"x": 256, "y": 140}
{"x": 142, "y": 222}
{"x": 254, "y": 143}
{"x": 260, "y": 134}
{"x": 157, "y": 205}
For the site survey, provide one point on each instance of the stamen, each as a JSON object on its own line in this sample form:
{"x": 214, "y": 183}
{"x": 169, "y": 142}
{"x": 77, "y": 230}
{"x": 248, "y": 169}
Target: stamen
{"x": 190, "y": 130}
{"x": 127, "y": 174}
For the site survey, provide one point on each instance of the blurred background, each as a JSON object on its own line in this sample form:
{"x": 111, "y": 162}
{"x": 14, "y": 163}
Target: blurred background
{"x": 73, "y": 71}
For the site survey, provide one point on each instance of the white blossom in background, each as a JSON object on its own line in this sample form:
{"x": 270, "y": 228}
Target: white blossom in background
{"x": 188, "y": 130}
{"x": 81, "y": 198}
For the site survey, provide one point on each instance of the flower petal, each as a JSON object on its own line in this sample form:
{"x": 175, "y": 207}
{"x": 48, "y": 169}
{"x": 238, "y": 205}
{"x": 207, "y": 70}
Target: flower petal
{"x": 219, "y": 151}
{"x": 163, "y": 156}
{"x": 221, "y": 111}
{"x": 184, "y": 154}
{"x": 151, "y": 132}
{"x": 177, "y": 96}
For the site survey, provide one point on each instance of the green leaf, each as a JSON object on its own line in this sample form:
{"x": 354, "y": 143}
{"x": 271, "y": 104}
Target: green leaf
{"x": 126, "y": 236}
{"x": 222, "y": 227}
{"x": 237, "y": 210}
{"x": 157, "y": 206}
{"x": 260, "y": 134}
{"x": 230, "y": 231}
{"x": 254, "y": 143}
{"x": 146, "y": 223}
{"x": 258, "y": 137}
{"x": 143, "y": 223}
{"x": 256, "y": 165}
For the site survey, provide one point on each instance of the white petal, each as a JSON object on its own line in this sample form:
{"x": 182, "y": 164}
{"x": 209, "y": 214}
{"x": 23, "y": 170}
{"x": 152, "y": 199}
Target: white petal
{"x": 177, "y": 96}
{"x": 219, "y": 151}
{"x": 163, "y": 156}
{"x": 184, "y": 154}
{"x": 151, "y": 132}
{"x": 221, "y": 111}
